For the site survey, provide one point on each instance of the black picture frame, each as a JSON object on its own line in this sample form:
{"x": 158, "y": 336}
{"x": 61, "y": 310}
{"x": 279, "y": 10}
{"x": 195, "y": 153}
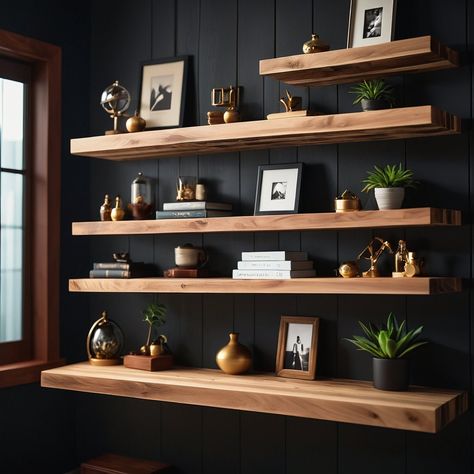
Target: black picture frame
{"x": 261, "y": 186}
{"x": 143, "y": 108}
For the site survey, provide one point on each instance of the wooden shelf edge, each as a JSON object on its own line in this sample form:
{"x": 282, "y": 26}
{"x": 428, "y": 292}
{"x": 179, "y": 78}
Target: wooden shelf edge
{"x": 29, "y": 371}
{"x": 410, "y": 55}
{"x": 348, "y": 401}
{"x": 389, "y": 124}
{"x": 333, "y": 285}
{"x": 424, "y": 216}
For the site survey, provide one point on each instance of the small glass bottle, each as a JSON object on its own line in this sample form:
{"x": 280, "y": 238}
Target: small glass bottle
{"x": 106, "y": 209}
{"x": 401, "y": 257}
{"x": 142, "y": 202}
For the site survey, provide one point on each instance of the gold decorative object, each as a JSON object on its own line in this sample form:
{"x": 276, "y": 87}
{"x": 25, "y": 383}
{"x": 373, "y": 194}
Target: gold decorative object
{"x": 291, "y": 103}
{"x": 412, "y": 266}
{"x": 142, "y": 201}
{"x": 135, "y": 123}
{"x": 372, "y": 252}
{"x": 314, "y": 45}
{"x": 115, "y": 100}
{"x": 104, "y": 342}
{"x": 347, "y": 202}
{"x": 234, "y": 358}
{"x": 215, "y": 117}
{"x": 106, "y": 209}
{"x": 186, "y": 188}
{"x": 117, "y": 213}
{"x": 349, "y": 269}
{"x": 159, "y": 346}
{"x": 201, "y": 192}
{"x": 227, "y": 97}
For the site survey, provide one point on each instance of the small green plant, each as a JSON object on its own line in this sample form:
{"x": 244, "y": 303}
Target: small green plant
{"x": 375, "y": 89}
{"x": 391, "y": 341}
{"x": 391, "y": 176}
{"x": 155, "y": 316}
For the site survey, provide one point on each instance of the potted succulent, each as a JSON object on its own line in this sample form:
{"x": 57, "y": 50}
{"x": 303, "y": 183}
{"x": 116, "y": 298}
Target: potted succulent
{"x": 389, "y": 346}
{"x": 373, "y": 95}
{"x": 155, "y": 316}
{"x": 389, "y": 185}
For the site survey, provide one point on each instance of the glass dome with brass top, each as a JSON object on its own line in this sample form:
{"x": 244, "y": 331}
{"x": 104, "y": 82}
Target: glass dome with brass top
{"x": 104, "y": 342}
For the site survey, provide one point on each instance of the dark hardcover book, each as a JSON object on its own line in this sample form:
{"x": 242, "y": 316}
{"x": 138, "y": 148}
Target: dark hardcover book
{"x": 110, "y": 274}
{"x": 196, "y": 206}
{"x": 190, "y": 214}
{"x": 117, "y": 265}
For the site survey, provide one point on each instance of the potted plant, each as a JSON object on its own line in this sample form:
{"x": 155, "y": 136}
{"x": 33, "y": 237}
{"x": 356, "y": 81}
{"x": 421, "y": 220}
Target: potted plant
{"x": 389, "y": 346}
{"x": 389, "y": 185}
{"x": 373, "y": 95}
{"x": 155, "y": 316}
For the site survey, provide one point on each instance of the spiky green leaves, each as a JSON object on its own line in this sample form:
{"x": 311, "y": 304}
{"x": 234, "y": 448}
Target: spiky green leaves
{"x": 391, "y": 341}
{"x": 375, "y": 89}
{"x": 390, "y": 176}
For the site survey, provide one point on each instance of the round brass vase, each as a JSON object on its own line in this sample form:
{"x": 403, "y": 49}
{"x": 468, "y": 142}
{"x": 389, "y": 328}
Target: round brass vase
{"x": 234, "y": 358}
{"x": 347, "y": 205}
{"x": 349, "y": 269}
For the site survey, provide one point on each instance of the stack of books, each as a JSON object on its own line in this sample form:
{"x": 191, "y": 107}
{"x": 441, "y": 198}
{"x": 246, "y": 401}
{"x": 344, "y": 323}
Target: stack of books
{"x": 194, "y": 209}
{"x": 274, "y": 265}
{"x": 121, "y": 270}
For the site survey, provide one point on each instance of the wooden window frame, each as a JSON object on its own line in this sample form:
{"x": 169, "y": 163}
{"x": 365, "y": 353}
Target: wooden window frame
{"x": 44, "y": 211}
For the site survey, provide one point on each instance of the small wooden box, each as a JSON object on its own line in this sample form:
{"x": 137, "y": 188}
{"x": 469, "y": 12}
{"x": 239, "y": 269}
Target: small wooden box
{"x": 185, "y": 273}
{"x": 150, "y": 363}
{"x": 115, "y": 464}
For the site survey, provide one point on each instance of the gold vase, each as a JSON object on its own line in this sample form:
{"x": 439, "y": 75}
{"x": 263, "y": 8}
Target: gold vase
{"x": 234, "y": 358}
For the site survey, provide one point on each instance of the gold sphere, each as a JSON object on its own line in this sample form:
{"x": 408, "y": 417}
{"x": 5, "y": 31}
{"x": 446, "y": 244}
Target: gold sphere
{"x": 135, "y": 123}
{"x": 349, "y": 269}
{"x": 234, "y": 358}
{"x": 231, "y": 115}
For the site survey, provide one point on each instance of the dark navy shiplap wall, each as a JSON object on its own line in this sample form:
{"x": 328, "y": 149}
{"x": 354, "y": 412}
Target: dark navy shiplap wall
{"x": 225, "y": 40}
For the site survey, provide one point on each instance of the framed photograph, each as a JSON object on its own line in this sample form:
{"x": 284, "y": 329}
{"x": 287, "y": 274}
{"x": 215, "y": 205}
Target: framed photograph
{"x": 297, "y": 347}
{"x": 162, "y": 92}
{"x": 371, "y": 22}
{"x": 278, "y": 189}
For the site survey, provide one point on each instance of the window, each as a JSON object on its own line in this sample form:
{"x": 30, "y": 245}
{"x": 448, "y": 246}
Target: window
{"x": 29, "y": 210}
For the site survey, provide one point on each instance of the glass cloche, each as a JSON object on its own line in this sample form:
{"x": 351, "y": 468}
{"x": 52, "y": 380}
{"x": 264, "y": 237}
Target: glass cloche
{"x": 105, "y": 342}
{"x": 142, "y": 201}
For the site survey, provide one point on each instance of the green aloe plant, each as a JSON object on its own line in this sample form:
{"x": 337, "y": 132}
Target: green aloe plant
{"x": 391, "y": 341}
{"x": 375, "y": 89}
{"x": 390, "y": 176}
{"x": 154, "y": 315}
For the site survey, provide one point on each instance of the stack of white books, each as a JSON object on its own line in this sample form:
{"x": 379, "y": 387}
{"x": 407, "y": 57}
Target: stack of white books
{"x": 273, "y": 265}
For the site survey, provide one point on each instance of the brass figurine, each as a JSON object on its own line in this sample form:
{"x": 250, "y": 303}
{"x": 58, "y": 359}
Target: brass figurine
{"x": 347, "y": 202}
{"x": 291, "y": 103}
{"x": 227, "y": 97}
{"x": 117, "y": 213}
{"x": 106, "y": 209}
{"x": 349, "y": 269}
{"x": 314, "y": 45}
{"x": 186, "y": 188}
{"x": 115, "y": 100}
{"x": 372, "y": 252}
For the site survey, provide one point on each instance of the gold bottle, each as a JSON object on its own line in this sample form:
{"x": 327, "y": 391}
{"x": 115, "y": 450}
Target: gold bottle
{"x": 106, "y": 209}
{"x": 401, "y": 257}
{"x": 117, "y": 213}
{"x": 234, "y": 358}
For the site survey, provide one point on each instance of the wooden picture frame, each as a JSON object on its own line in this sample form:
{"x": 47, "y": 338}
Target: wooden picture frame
{"x": 359, "y": 22}
{"x": 293, "y": 357}
{"x": 162, "y": 92}
{"x": 278, "y": 189}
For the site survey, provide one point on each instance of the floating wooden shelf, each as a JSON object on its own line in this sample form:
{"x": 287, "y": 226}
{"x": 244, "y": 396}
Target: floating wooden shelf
{"x": 390, "y": 124}
{"x": 355, "y": 64}
{"x": 347, "y": 401}
{"x": 424, "y": 216}
{"x": 358, "y": 286}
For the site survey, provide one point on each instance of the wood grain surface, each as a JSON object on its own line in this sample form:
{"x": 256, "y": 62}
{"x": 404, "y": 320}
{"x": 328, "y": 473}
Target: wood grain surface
{"x": 348, "y": 401}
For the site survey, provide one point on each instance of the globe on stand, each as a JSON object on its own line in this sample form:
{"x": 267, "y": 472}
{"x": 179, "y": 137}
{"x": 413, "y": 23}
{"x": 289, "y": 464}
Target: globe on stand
{"x": 115, "y": 100}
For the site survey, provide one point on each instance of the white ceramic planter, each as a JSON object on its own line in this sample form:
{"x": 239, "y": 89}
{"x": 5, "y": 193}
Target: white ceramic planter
{"x": 389, "y": 198}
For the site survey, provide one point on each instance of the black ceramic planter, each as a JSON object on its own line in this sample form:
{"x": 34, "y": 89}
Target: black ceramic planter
{"x": 374, "y": 104}
{"x": 390, "y": 374}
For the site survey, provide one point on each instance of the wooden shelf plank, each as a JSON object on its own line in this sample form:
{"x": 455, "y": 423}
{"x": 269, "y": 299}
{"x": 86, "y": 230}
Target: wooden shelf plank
{"x": 424, "y": 216}
{"x": 347, "y": 401}
{"x": 354, "y": 286}
{"x": 407, "y": 122}
{"x": 367, "y": 62}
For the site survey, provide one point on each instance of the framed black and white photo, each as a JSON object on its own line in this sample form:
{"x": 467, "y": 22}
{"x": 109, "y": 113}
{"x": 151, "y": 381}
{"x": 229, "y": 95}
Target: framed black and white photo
{"x": 297, "y": 347}
{"x": 162, "y": 92}
{"x": 371, "y": 22}
{"x": 278, "y": 189}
